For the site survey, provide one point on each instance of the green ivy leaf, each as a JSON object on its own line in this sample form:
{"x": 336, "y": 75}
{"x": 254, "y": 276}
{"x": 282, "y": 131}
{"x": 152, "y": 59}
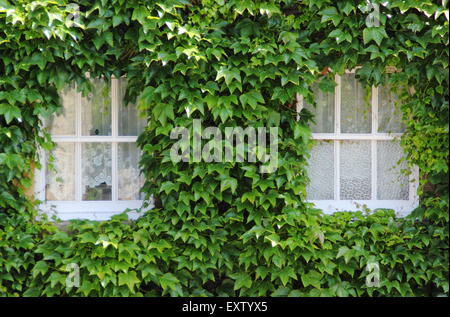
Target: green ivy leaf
{"x": 330, "y": 14}
{"x": 10, "y": 112}
{"x": 242, "y": 280}
{"x": 376, "y": 34}
{"x": 228, "y": 183}
{"x": 169, "y": 281}
{"x": 128, "y": 278}
{"x": 311, "y": 278}
{"x": 40, "y": 267}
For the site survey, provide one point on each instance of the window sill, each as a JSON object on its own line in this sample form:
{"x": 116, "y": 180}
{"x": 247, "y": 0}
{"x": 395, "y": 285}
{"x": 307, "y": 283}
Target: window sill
{"x": 92, "y": 210}
{"x": 402, "y": 208}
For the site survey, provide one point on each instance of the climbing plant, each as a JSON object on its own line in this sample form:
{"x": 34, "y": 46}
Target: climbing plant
{"x": 223, "y": 228}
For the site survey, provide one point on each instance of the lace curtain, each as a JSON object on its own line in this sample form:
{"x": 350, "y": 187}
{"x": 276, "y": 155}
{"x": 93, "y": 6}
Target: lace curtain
{"x": 96, "y": 171}
{"x": 130, "y": 179}
{"x": 61, "y": 181}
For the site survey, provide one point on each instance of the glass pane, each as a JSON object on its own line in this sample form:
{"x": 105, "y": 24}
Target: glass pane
{"x": 356, "y": 114}
{"x": 64, "y": 122}
{"x": 96, "y": 171}
{"x": 60, "y": 183}
{"x": 129, "y": 177}
{"x": 355, "y": 170}
{"x": 321, "y": 171}
{"x": 324, "y": 111}
{"x": 130, "y": 123}
{"x": 392, "y": 184}
{"x": 96, "y": 109}
{"x": 389, "y": 112}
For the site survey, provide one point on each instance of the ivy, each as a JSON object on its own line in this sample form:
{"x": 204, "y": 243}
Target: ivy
{"x": 223, "y": 229}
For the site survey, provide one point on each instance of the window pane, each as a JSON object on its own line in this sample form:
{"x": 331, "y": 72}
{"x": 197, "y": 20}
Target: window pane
{"x": 356, "y": 114}
{"x": 129, "y": 121}
{"x": 321, "y": 171}
{"x": 96, "y": 109}
{"x": 389, "y": 112}
{"x": 130, "y": 180}
{"x": 355, "y": 170}
{"x": 64, "y": 122}
{"x": 60, "y": 183}
{"x": 392, "y": 184}
{"x": 96, "y": 171}
{"x": 324, "y": 111}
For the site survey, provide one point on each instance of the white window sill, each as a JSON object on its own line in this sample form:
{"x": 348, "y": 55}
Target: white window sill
{"x": 92, "y": 210}
{"x": 402, "y": 208}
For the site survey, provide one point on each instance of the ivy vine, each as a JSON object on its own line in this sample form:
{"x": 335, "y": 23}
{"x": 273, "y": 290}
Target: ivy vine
{"x": 223, "y": 228}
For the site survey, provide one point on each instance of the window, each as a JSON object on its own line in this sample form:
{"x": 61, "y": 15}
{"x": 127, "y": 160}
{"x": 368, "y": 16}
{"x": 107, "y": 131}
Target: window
{"x": 354, "y": 161}
{"x": 96, "y": 171}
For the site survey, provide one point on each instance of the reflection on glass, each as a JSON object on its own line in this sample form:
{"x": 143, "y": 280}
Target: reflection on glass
{"x": 324, "y": 111}
{"x": 60, "y": 183}
{"x": 392, "y": 183}
{"x": 63, "y": 123}
{"x": 389, "y": 112}
{"x": 96, "y": 171}
{"x": 130, "y": 123}
{"x": 356, "y": 114}
{"x": 355, "y": 170}
{"x": 321, "y": 171}
{"x": 129, "y": 177}
{"x": 96, "y": 109}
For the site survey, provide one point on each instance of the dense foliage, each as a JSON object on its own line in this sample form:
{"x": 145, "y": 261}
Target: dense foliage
{"x": 223, "y": 228}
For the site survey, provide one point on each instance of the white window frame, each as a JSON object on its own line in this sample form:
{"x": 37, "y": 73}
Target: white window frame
{"x": 401, "y": 207}
{"x": 79, "y": 209}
